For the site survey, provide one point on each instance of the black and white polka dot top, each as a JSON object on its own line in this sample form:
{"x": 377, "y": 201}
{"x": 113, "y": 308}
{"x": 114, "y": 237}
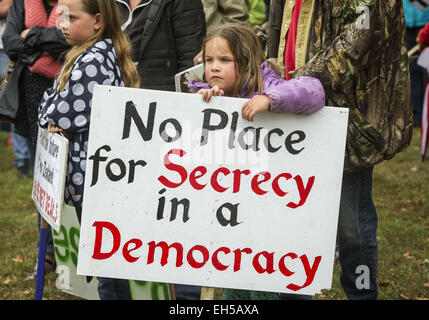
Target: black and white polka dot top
{"x": 70, "y": 109}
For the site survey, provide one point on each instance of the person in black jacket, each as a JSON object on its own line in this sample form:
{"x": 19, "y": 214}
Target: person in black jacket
{"x": 34, "y": 49}
{"x": 165, "y": 35}
{"x": 32, "y": 40}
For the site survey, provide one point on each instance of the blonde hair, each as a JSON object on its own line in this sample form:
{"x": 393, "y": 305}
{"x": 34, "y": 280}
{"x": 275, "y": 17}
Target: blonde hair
{"x": 248, "y": 55}
{"x": 111, "y": 28}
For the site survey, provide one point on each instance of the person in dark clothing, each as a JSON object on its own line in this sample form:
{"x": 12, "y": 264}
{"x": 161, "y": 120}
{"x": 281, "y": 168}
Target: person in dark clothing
{"x": 35, "y": 45}
{"x": 165, "y": 35}
{"x": 415, "y": 20}
{"x": 32, "y": 40}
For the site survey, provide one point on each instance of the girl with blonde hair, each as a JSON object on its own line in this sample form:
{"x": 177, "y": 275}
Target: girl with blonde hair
{"x": 234, "y": 66}
{"x": 100, "y": 54}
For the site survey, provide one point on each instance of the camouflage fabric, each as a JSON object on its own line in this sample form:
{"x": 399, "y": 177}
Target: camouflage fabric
{"x": 363, "y": 68}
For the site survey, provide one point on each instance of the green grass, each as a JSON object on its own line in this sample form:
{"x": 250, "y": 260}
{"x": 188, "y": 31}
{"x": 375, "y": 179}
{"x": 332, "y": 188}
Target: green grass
{"x": 18, "y": 234}
{"x": 401, "y": 195}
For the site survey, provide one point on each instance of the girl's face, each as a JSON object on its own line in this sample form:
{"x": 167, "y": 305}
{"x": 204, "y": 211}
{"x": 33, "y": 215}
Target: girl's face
{"x": 77, "y": 25}
{"x": 219, "y": 64}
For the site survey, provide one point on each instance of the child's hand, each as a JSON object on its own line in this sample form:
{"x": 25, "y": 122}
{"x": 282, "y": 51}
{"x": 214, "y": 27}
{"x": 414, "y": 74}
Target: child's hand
{"x": 208, "y": 93}
{"x": 54, "y": 129}
{"x": 422, "y": 45}
{"x": 198, "y": 58}
{"x": 24, "y": 33}
{"x": 257, "y": 104}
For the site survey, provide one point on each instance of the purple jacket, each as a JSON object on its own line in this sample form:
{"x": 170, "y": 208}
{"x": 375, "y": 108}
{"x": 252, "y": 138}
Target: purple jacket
{"x": 303, "y": 95}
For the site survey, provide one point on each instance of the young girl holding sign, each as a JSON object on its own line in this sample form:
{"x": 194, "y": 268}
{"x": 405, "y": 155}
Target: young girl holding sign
{"x": 234, "y": 66}
{"x": 100, "y": 55}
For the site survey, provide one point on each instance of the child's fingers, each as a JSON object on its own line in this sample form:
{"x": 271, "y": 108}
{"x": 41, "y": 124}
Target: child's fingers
{"x": 54, "y": 129}
{"x": 252, "y": 115}
{"x": 217, "y": 91}
{"x": 209, "y": 95}
{"x": 245, "y": 111}
{"x": 203, "y": 93}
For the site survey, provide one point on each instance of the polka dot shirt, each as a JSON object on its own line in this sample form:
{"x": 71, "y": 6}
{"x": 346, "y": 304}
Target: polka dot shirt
{"x": 70, "y": 109}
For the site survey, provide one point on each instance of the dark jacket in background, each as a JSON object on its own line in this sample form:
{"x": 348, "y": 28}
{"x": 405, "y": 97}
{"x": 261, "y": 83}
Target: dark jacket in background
{"x": 166, "y": 35}
{"x": 26, "y": 51}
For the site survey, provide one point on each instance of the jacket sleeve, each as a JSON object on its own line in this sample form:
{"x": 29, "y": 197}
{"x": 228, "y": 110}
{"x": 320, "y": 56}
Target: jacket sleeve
{"x": 189, "y": 29}
{"x": 70, "y": 109}
{"x": 13, "y": 43}
{"x": 337, "y": 64}
{"x": 303, "y": 95}
{"x": 47, "y": 39}
{"x": 37, "y": 40}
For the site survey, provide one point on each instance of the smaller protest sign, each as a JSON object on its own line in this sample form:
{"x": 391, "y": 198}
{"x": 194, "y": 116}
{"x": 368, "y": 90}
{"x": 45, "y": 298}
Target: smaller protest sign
{"x": 181, "y": 78}
{"x": 49, "y": 176}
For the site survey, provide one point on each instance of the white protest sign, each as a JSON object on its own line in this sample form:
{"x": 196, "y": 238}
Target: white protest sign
{"x": 182, "y": 191}
{"x": 49, "y": 176}
{"x": 66, "y": 243}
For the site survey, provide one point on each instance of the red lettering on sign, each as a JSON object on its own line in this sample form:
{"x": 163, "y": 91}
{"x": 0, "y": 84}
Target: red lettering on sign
{"x": 269, "y": 262}
{"x": 126, "y": 250}
{"x": 237, "y": 180}
{"x": 191, "y": 260}
{"x": 174, "y": 167}
{"x": 215, "y": 260}
{"x": 45, "y": 201}
{"x": 99, "y": 226}
{"x": 165, "y": 252}
{"x": 266, "y": 266}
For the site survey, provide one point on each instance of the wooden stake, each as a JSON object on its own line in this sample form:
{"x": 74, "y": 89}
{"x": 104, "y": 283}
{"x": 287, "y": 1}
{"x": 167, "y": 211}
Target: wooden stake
{"x": 43, "y": 223}
{"x": 172, "y": 292}
{"x": 207, "y": 293}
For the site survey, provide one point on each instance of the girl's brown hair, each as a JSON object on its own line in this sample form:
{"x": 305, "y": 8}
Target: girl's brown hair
{"x": 248, "y": 55}
{"x": 111, "y": 28}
